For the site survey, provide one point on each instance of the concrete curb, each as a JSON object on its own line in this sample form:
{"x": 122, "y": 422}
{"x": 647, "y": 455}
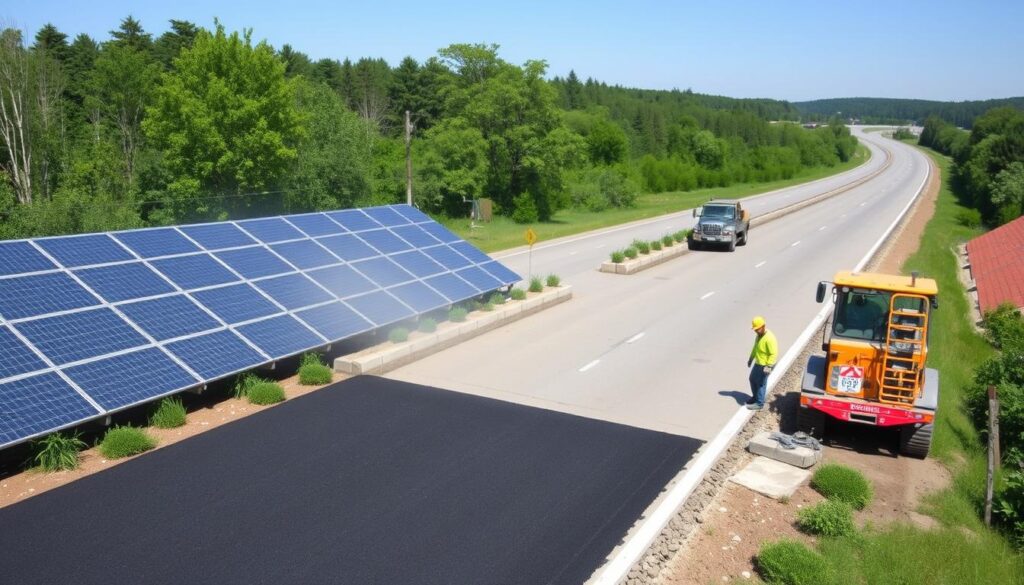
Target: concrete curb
{"x": 384, "y": 357}
{"x": 644, "y": 261}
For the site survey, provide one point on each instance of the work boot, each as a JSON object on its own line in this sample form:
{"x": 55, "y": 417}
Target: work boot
{"x": 754, "y": 406}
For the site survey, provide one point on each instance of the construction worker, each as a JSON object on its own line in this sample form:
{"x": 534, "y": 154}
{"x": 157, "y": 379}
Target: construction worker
{"x": 762, "y": 356}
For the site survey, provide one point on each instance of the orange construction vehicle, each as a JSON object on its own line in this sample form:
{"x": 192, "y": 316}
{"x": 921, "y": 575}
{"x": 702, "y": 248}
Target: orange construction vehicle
{"x": 874, "y": 369}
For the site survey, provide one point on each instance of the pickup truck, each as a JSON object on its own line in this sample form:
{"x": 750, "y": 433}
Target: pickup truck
{"x": 723, "y": 222}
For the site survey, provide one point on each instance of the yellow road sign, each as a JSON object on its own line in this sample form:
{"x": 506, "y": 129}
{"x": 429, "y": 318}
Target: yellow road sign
{"x": 531, "y": 236}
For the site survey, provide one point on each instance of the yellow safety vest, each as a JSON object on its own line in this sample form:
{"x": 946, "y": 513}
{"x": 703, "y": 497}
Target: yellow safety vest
{"x": 765, "y": 350}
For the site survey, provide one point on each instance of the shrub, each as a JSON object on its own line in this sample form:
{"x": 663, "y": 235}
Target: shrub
{"x": 457, "y": 315}
{"x": 169, "y": 414}
{"x": 642, "y": 247}
{"x": 969, "y": 217}
{"x": 315, "y": 373}
{"x": 618, "y": 256}
{"x": 487, "y": 307}
{"x": 679, "y": 236}
{"x": 656, "y": 245}
{"x": 398, "y": 335}
{"x": 789, "y": 562}
{"x": 1005, "y": 370}
{"x": 536, "y": 285}
{"x": 667, "y": 241}
{"x": 57, "y": 451}
{"x": 553, "y": 280}
{"x": 266, "y": 393}
{"x": 496, "y": 299}
{"x": 524, "y": 209}
{"x": 828, "y": 518}
{"x": 518, "y": 294}
{"x": 1008, "y": 507}
{"x": 630, "y": 252}
{"x": 244, "y": 383}
{"x": 839, "y": 482}
{"x": 125, "y": 442}
{"x": 1004, "y": 327}
{"x": 428, "y": 325}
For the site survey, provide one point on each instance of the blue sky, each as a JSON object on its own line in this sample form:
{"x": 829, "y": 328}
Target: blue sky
{"x": 788, "y": 49}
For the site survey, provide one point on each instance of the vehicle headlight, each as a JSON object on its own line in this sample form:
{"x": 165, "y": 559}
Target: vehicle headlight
{"x": 728, "y": 229}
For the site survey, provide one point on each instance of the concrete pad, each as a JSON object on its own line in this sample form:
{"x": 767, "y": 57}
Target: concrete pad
{"x": 763, "y": 444}
{"x": 771, "y": 478}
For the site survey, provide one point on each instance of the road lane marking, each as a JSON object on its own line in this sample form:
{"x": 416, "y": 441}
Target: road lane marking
{"x": 635, "y": 337}
{"x": 600, "y": 246}
{"x": 707, "y": 295}
{"x": 795, "y": 244}
{"x": 863, "y": 203}
{"x": 590, "y": 365}
{"x": 822, "y": 228}
{"x": 760, "y": 264}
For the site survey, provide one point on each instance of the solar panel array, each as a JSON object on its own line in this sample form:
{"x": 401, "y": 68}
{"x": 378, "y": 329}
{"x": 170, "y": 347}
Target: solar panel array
{"x": 96, "y": 323}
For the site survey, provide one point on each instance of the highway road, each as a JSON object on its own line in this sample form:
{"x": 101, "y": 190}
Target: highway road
{"x": 666, "y": 349}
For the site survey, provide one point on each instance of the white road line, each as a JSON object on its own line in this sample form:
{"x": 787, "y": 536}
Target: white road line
{"x": 795, "y": 244}
{"x": 600, "y": 246}
{"x": 635, "y": 337}
{"x": 760, "y": 264}
{"x": 822, "y": 228}
{"x": 590, "y": 365}
{"x": 863, "y": 203}
{"x": 707, "y": 295}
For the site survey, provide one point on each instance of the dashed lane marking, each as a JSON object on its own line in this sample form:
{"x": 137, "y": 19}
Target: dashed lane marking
{"x": 707, "y": 295}
{"x": 760, "y": 264}
{"x": 590, "y": 365}
{"x": 635, "y": 337}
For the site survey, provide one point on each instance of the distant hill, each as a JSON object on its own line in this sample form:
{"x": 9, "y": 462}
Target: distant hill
{"x": 900, "y": 111}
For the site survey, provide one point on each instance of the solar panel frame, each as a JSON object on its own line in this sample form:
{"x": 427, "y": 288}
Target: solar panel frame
{"x": 84, "y": 250}
{"x": 20, "y": 257}
{"x": 254, "y": 262}
{"x": 126, "y": 379}
{"x": 93, "y": 333}
{"x": 315, "y": 224}
{"x": 218, "y": 236}
{"x": 236, "y": 303}
{"x": 216, "y": 355}
{"x": 16, "y": 357}
{"x": 151, "y": 315}
{"x": 38, "y": 405}
{"x": 381, "y": 308}
{"x": 154, "y": 242}
{"x": 122, "y": 282}
{"x": 194, "y": 271}
{"x": 281, "y": 336}
{"x": 35, "y": 295}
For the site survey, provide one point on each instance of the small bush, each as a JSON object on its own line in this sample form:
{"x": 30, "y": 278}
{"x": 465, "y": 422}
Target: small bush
{"x": 1004, "y": 327}
{"x": 487, "y": 307}
{"x": 789, "y": 562}
{"x": 536, "y": 285}
{"x": 667, "y": 241}
{"x": 518, "y": 294}
{"x": 125, "y": 442}
{"x": 828, "y": 518}
{"x": 642, "y": 247}
{"x": 496, "y": 299}
{"x": 618, "y": 256}
{"x": 553, "y": 280}
{"x": 315, "y": 374}
{"x": 656, "y": 245}
{"x": 839, "y": 482}
{"x": 398, "y": 335}
{"x": 169, "y": 414}
{"x": 457, "y": 315}
{"x": 428, "y": 325}
{"x": 679, "y": 236}
{"x": 244, "y": 382}
{"x": 266, "y": 393}
{"x": 630, "y": 252}
{"x": 57, "y": 451}
{"x": 969, "y": 217}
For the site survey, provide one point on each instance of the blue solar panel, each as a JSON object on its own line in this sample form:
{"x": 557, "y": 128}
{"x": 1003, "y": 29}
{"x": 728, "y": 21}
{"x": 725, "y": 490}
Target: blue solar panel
{"x": 280, "y": 336}
{"x": 39, "y": 404}
{"x": 343, "y": 281}
{"x": 411, "y": 213}
{"x": 39, "y": 294}
{"x": 120, "y": 282}
{"x": 419, "y": 296}
{"x": 16, "y": 357}
{"x": 467, "y": 250}
{"x": 479, "y": 278}
{"x": 448, "y": 258}
{"x": 348, "y": 247}
{"x": 236, "y": 303}
{"x": 217, "y": 236}
{"x": 130, "y": 378}
{"x": 270, "y": 230}
{"x": 255, "y": 262}
{"x": 415, "y": 236}
{"x": 440, "y": 232}
{"x": 315, "y": 224}
{"x": 156, "y": 242}
{"x": 305, "y": 254}
{"x": 169, "y": 317}
{"x": 216, "y": 354}
{"x": 452, "y": 287}
{"x": 21, "y": 257}
{"x": 382, "y": 271}
{"x": 354, "y": 220}
{"x": 380, "y": 307}
{"x": 335, "y": 321}
{"x": 194, "y": 271}
{"x": 384, "y": 241}
{"x": 74, "y": 251}
{"x": 294, "y": 291}
{"x": 418, "y": 263}
{"x": 499, "y": 271}
{"x": 386, "y": 216}
{"x": 77, "y": 336}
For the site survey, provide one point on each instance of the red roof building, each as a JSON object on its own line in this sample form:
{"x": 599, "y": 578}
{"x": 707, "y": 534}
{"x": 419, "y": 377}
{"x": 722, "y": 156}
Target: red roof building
{"x": 997, "y": 265}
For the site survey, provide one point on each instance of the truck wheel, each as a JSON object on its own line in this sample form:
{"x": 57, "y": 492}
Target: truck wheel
{"x": 810, "y": 421}
{"x": 692, "y": 245}
{"x": 732, "y": 244}
{"x": 916, "y": 441}
{"x": 743, "y": 242}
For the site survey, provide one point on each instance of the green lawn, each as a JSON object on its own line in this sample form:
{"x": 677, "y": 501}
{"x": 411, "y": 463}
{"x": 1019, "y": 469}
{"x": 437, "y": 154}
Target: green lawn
{"x": 502, "y": 233}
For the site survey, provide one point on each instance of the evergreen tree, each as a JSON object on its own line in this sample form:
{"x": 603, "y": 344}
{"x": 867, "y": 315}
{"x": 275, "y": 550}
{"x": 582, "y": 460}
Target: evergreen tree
{"x": 573, "y": 92}
{"x": 173, "y": 42}
{"x": 52, "y": 42}
{"x": 130, "y": 34}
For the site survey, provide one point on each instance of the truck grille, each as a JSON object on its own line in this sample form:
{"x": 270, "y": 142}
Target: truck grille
{"x": 711, "y": 229}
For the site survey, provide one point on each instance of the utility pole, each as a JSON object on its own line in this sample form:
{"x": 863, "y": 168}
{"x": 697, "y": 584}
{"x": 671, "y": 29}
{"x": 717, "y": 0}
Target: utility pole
{"x": 993, "y": 450}
{"x": 408, "y": 159}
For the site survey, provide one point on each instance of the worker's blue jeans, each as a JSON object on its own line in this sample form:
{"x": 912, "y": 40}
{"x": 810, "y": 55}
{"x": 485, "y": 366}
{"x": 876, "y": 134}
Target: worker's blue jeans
{"x": 758, "y": 383}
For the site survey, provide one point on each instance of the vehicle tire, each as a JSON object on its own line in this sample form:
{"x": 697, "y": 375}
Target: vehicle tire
{"x": 811, "y": 421}
{"x": 916, "y": 441}
{"x": 743, "y": 242}
{"x": 732, "y": 244}
{"x": 692, "y": 245}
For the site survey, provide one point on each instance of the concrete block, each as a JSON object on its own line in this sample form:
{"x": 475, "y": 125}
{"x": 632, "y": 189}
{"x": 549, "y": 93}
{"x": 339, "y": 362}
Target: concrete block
{"x": 344, "y": 365}
{"x": 762, "y": 444}
{"x": 771, "y": 478}
{"x": 532, "y": 302}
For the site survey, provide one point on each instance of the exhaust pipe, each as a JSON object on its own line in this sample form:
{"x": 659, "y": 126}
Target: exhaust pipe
{"x": 913, "y": 278}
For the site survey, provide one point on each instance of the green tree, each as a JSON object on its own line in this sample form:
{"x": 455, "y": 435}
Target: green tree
{"x": 55, "y": 43}
{"x": 130, "y": 34}
{"x": 451, "y": 168}
{"x": 573, "y": 92}
{"x": 607, "y": 142}
{"x": 170, "y": 44}
{"x": 226, "y": 121}
{"x": 1008, "y": 192}
{"x": 296, "y": 63}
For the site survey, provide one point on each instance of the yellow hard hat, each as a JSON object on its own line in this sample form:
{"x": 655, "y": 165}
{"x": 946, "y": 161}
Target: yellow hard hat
{"x": 757, "y": 323}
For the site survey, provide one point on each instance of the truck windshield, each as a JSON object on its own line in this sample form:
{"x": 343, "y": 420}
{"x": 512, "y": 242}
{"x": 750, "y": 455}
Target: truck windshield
{"x": 861, "y": 314}
{"x": 719, "y": 212}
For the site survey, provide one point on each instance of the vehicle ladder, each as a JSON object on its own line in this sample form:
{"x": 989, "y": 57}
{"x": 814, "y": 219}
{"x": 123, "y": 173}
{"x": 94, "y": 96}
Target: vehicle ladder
{"x": 905, "y": 350}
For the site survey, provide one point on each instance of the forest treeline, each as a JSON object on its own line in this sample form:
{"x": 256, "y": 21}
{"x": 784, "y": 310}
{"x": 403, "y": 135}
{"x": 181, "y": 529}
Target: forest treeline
{"x": 988, "y": 162}
{"x": 204, "y": 124}
{"x": 902, "y": 111}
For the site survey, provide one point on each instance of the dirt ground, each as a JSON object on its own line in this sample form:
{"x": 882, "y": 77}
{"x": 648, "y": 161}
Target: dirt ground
{"x": 724, "y": 546}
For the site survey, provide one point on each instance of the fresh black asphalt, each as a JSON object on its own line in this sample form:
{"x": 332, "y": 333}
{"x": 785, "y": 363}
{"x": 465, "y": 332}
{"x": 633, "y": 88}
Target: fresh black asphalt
{"x": 367, "y": 481}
